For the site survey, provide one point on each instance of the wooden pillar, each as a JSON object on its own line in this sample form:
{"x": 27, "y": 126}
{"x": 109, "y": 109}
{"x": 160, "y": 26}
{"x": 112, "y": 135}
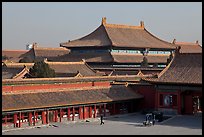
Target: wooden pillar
{"x": 56, "y": 115}
{"x": 47, "y": 116}
{"x": 43, "y": 117}
{"x": 95, "y": 111}
{"x": 68, "y": 114}
{"x": 19, "y": 119}
{"x": 60, "y": 115}
{"x": 73, "y": 113}
{"x": 84, "y": 112}
{"x": 80, "y": 113}
{"x": 34, "y": 118}
{"x": 30, "y": 118}
{"x": 90, "y": 111}
{"x": 15, "y": 119}
{"x": 104, "y": 108}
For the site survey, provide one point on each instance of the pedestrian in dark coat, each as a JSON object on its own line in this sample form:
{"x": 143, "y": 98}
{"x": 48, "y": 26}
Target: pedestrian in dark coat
{"x": 102, "y": 120}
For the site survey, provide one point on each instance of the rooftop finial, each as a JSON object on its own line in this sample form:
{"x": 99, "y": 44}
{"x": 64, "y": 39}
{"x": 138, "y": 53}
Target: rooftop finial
{"x": 35, "y": 45}
{"x": 104, "y": 20}
{"x": 142, "y": 24}
{"x": 174, "y": 41}
{"x": 197, "y": 42}
{"x": 178, "y": 49}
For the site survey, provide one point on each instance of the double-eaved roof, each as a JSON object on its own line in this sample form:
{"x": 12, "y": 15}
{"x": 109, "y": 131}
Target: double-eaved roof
{"x": 120, "y": 36}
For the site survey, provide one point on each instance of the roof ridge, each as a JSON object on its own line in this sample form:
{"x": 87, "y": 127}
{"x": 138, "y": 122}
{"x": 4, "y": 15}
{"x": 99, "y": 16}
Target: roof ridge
{"x": 17, "y": 64}
{"x": 159, "y": 38}
{"x": 186, "y": 43}
{"x": 63, "y": 63}
{"x": 123, "y": 26}
{"x": 167, "y": 67}
{"x": 25, "y": 69}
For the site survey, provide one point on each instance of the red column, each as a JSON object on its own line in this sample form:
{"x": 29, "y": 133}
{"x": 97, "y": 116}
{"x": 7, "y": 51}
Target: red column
{"x": 14, "y": 119}
{"x": 94, "y": 111}
{"x": 56, "y": 115}
{"x": 30, "y": 118}
{"x": 84, "y": 112}
{"x": 73, "y": 114}
{"x": 68, "y": 113}
{"x": 90, "y": 111}
{"x": 47, "y": 116}
{"x": 60, "y": 115}
{"x": 80, "y": 113}
{"x": 104, "y": 108}
{"x": 34, "y": 118}
{"x": 43, "y": 117}
{"x": 19, "y": 119}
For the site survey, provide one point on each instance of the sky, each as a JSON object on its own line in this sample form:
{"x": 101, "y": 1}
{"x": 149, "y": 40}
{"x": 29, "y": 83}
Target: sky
{"x": 50, "y": 23}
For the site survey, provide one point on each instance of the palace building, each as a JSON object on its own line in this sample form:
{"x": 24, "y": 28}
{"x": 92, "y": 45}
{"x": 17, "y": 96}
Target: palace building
{"x": 116, "y": 69}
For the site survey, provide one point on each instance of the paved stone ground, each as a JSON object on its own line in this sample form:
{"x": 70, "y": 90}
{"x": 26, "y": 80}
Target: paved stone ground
{"x": 130, "y": 124}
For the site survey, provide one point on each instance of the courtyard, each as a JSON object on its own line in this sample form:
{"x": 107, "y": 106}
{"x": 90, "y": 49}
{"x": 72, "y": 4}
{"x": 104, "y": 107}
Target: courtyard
{"x": 127, "y": 124}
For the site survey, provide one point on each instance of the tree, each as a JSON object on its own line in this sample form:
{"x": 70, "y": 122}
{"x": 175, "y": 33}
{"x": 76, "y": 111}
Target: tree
{"x": 144, "y": 63}
{"x": 41, "y": 70}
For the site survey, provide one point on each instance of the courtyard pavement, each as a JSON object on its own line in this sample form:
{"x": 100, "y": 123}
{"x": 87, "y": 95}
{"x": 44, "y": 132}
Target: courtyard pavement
{"x": 128, "y": 124}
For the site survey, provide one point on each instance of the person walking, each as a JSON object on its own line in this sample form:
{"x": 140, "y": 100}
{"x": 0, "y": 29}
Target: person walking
{"x": 102, "y": 120}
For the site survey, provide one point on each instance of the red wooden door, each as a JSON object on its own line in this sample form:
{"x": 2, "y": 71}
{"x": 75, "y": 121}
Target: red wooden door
{"x": 188, "y": 104}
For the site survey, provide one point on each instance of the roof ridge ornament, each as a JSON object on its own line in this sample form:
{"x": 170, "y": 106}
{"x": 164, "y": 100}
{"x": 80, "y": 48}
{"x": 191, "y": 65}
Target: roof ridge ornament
{"x": 103, "y": 20}
{"x": 174, "y": 41}
{"x": 142, "y": 24}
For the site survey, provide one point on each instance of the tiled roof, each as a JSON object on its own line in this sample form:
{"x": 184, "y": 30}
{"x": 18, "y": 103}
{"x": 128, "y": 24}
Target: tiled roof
{"x": 157, "y": 58}
{"x": 65, "y": 97}
{"x": 40, "y": 53}
{"x": 72, "y": 68}
{"x": 185, "y": 68}
{"x": 88, "y": 57}
{"x": 50, "y": 52}
{"x": 62, "y": 69}
{"x": 127, "y": 58}
{"x": 98, "y": 37}
{"x": 13, "y": 55}
{"x": 8, "y": 73}
{"x": 138, "y": 58}
{"x": 71, "y": 79}
{"x": 120, "y": 36}
{"x": 14, "y": 70}
{"x": 187, "y": 47}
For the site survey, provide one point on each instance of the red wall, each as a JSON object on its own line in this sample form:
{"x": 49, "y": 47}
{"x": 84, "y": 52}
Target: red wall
{"x": 48, "y": 86}
{"x": 149, "y": 95}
